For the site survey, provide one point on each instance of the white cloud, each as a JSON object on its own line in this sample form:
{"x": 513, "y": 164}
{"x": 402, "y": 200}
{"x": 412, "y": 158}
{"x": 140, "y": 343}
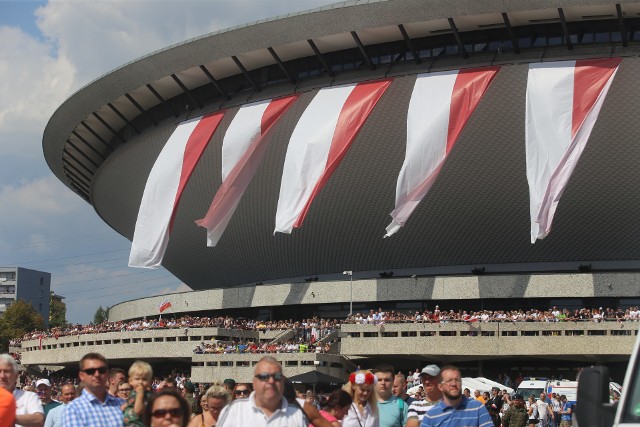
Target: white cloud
{"x": 32, "y": 83}
{"x": 80, "y": 41}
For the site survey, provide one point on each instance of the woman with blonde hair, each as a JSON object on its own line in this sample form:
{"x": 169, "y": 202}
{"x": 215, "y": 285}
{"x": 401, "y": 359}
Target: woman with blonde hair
{"x": 217, "y": 398}
{"x": 364, "y": 409}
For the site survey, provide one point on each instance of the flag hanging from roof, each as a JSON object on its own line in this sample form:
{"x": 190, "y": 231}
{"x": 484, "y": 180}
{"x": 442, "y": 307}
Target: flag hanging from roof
{"x": 166, "y": 182}
{"x": 440, "y": 105}
{"x": 319, "y": 141}
{"x": 243, "y": 149}
{"x": 164, "y": 305}
{"x": 562, "y": 105}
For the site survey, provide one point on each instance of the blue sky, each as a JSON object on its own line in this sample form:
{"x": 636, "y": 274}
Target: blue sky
{"x": 49, "y": 50}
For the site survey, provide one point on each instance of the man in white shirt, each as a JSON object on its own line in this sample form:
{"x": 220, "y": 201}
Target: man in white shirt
{"x": 29, "y": 411}
{"x": 54, "y": 417}
{"x": 545, "y": 411}
{"x": 266, "y": 404}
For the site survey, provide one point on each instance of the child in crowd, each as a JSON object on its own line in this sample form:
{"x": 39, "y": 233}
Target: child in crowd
{"x": 140, "y": 377}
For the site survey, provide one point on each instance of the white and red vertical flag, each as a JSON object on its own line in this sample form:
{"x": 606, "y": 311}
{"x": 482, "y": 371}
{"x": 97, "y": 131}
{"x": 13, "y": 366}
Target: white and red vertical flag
{"x": 164, "y": 305}
{"x": 440, "y": 105}
{"x": 243, "y": 149}
{"x": 320, "y": 140}
{"x": 166, "y": 182}
{"x": 563, "y": 102}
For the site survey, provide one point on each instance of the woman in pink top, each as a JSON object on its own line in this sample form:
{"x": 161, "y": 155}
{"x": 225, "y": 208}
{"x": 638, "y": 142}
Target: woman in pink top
{"x": 335, "y": 407}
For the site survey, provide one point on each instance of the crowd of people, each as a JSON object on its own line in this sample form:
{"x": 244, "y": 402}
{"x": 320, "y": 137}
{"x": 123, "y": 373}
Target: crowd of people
{"x": 288, "y": 346}
{"x": 554, "y": 314}
{"x": 312, "y": 329}
{"x": 100, "y": 396}
{"x": 304, "y": 330}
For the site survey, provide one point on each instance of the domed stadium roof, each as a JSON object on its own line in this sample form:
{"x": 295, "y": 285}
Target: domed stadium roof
{"x": 103, "y": 141}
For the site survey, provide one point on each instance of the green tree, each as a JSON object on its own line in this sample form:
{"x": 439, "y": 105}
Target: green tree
{"x": 19, "y": 319}
{"x": 57, "y": 312}
{"x": 102, "y": 315}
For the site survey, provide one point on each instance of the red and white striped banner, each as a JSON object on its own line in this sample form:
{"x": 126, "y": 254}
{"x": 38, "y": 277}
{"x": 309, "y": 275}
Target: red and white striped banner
{"x": 320, "y": 140}
{"x": 440, "y": 105}
{"x": 563, "y": 102}
{"x": 243, "y": 149}
{"x": 166, "y": 182}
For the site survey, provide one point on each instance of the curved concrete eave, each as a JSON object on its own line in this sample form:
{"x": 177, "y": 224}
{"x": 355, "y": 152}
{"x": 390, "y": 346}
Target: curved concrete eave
{"x": 334, "y": 19}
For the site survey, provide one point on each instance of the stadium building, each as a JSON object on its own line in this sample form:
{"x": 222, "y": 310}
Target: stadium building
{"x": 467, "y": 241}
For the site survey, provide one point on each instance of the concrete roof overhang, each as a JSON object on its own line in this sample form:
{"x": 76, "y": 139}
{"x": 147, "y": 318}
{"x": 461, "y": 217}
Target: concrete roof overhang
{"x": 475, "y": 215}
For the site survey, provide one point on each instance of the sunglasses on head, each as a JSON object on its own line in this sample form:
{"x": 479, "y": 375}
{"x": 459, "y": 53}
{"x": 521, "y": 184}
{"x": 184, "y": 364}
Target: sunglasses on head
{"x": 265, "y": 377}
{"x": 161, "y": 413}
{"x": 242, "y": 392}
{"x": 91, "y": 371}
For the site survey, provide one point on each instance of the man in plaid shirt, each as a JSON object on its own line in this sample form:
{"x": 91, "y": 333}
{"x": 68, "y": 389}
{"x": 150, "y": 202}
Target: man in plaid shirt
{"x": 94, "y": 407}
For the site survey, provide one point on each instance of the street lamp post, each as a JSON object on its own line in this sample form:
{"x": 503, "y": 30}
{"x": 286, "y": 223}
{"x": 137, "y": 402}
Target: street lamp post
{"x": 350, "y": 274}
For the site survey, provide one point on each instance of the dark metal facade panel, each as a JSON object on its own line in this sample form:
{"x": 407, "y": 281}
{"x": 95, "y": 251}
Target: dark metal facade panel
{"x": 336, "y": 19}
{"x": 476, "y": 213}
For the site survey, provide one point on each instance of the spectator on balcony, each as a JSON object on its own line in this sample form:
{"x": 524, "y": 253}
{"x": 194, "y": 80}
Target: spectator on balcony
{"x": 29, "y": 410}
{"x": 393, "y": 410}
{"x": 94, "y": 407}
{"x": 43, "y": 389}
{"x": 54, "y": 417}
{"x": 430, "y": 377}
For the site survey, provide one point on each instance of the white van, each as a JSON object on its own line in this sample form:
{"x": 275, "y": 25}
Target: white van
{"x": 594, "y": 408}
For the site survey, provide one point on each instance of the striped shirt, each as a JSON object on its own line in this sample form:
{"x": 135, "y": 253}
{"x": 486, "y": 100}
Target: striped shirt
{"x": 468, "y": 413}
{"x": 88, "y": 410}
{"x": 418, "y": 408}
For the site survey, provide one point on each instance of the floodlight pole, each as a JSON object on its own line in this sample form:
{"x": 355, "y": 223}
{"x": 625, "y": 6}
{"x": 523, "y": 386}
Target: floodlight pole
{"x": 350, "y": 274}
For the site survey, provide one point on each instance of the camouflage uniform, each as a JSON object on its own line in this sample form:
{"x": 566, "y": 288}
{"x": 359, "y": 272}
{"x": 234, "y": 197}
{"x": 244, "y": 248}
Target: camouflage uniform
{"x": 515, "y": 417}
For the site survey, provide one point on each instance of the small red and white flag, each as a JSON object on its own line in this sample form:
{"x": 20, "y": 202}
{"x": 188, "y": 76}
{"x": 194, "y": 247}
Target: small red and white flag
{"x": 243, "y": 149}
{"x": 320, "y": 140}
{"x": 440, "y": 105}
{"x": 164, "y": 305}
{"x": 166, "y": 182}
{"x": 563, "y": 102}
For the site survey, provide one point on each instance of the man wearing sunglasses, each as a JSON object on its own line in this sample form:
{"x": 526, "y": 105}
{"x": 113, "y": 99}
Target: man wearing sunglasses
{"x": 94, "y": 407}
{"x": 266, "y": 403}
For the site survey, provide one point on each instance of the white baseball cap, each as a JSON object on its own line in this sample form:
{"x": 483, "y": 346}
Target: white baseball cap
{"x": 43, "y": 381}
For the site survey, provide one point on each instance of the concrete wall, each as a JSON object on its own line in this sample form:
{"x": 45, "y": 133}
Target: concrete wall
{"x": 207, "y": 368}
{"x": 400, "y": 289}
{"x": 451, "y": 342}
{"x": 579, "y": 340}
{"x": 158, "y": 343}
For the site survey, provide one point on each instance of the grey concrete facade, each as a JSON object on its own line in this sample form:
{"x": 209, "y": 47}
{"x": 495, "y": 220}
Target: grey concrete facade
{"x": 391, "y": 289}
{"x": 32, "y": 286}
{"x": 578, "y": 342}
